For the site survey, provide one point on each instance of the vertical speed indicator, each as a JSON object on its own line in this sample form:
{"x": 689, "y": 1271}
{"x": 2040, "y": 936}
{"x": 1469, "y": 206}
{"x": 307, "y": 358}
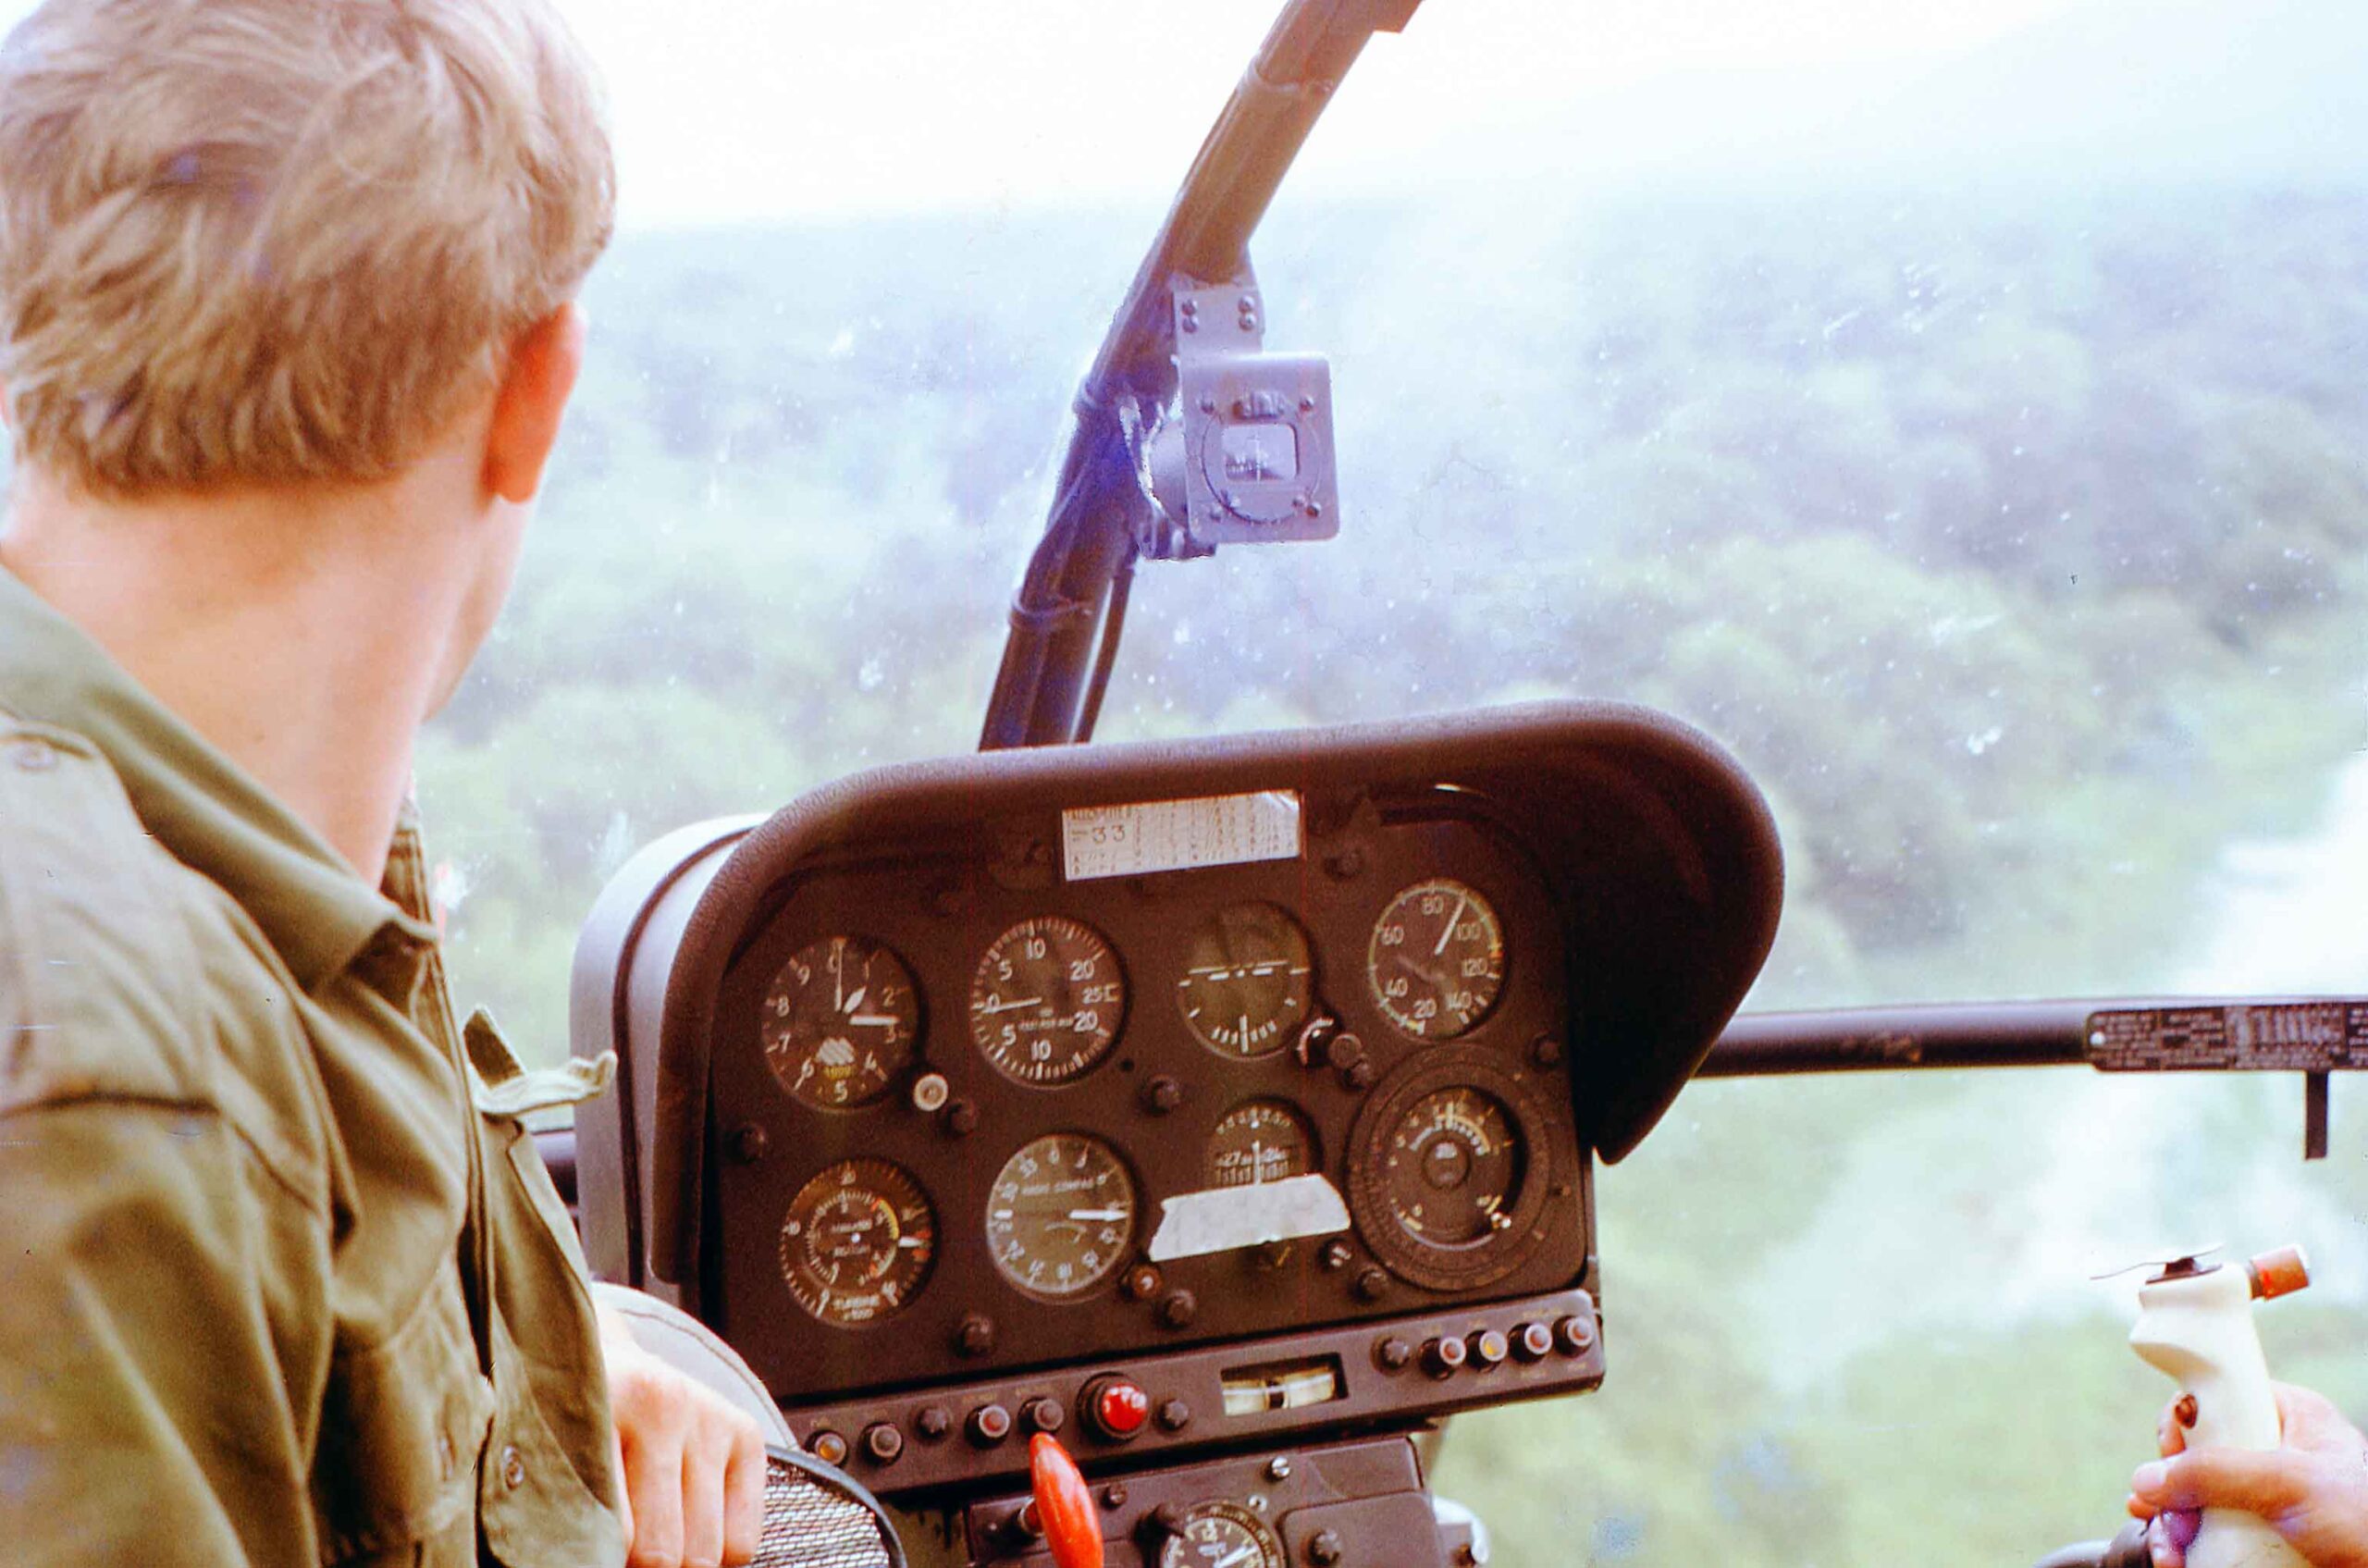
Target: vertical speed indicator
{"x": 1046, "y": 1000}
{"x": 1436, "y": 959}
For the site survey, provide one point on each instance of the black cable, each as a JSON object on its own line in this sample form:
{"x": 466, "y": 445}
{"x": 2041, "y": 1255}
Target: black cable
{"x": 1113, "y": 621}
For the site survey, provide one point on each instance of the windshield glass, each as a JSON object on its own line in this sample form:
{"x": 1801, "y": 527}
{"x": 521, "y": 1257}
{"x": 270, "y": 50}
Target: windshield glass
{"x": 1957, "y": 412}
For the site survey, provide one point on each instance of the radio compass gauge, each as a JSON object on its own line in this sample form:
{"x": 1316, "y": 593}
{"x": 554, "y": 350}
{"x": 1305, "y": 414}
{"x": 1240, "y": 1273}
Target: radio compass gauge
{"x": 840, "y": 1021}
{"x": 1222, "y": 1535}
{"x": 1246, "y": 982}
{"x": 1046, "y": 1001}
{"x": 857, "y": 1242}
{"x": 1259, "y": 1140}
{"x": 1436, "y": 959}
{"x": 1061, "y": 1215}
{"x": 1450, "y": 1177}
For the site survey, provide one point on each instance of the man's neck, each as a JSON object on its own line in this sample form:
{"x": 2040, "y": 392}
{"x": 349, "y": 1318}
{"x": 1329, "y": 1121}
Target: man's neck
{"x": 304, "y": 631}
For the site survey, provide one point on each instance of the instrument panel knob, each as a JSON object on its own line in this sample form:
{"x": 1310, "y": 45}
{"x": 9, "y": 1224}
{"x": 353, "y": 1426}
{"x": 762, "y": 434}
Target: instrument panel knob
{"x": 1117, "y": 1407}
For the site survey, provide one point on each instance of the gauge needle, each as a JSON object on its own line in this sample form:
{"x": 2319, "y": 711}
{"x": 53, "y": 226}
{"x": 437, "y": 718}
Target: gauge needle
{"x": 1239, "y": 1554}
{"x": 882, "y": 1019}
{"x": 1010, "y": 1006}
{"x": 1105, "y": 1214}
{"x": 1461, "y": 905}
{"x": 852, "y": 1002}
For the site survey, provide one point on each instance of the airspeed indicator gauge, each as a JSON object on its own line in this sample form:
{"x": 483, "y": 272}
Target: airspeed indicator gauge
{"x": 1436, "y": 959}
{"x": 839, "y": 1022}
{"x": 1246, "y": 982}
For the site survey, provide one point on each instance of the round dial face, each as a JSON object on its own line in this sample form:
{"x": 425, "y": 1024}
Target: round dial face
{"x": 1436, "y": 959}
{"x": 1259, "y": 1140}
{"x": 1222, "y": 1535}
{"x": 1247, "y": 980}
{"x": 1452, "y": 1170}
{"x": 1047, "y": 1000}
{"x": 840, "y": 1021}
{"x": 857, "y": 1242}
{"x": 1061, "y": 1215}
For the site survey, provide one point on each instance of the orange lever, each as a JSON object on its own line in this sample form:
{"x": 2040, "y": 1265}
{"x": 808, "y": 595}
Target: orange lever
{"x": 1072, "y": 1527}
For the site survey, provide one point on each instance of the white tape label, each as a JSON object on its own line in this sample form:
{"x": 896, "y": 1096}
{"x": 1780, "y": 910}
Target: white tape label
{"x": 1174, "y": 835}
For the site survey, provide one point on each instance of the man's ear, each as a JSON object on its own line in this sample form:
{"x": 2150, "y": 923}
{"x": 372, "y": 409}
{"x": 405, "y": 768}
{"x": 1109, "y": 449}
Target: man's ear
{"x": 544, "y": 361}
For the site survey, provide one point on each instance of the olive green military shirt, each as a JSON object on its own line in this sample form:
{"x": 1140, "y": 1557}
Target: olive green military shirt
{"x": 282, "y": 1279}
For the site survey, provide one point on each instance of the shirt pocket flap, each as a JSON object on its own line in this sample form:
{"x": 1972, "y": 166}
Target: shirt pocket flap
{"x": 401, "y": 1425}
{"x": 503, "y": 1088}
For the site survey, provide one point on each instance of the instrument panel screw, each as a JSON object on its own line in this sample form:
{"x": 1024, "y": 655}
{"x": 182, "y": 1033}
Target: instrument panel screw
{"x": 1357, "y": 1076}
{"x": 1162, "y": 1094}
{"x": 976, "y": 1337}
{"x": 1349, "y": 863}
{"x": 1174, "y": 1415}
{"x": 1279, "y": 1467}
{"x": 1178, "y": 1308}
{"x": 1392, "y": 1354}
{"x": 1114, "y": 1496}
{"x": 1545, "y": 1051}
{"x": 1325, "y": 1550}
{"x": 749, "y": 1144}
{"x": 1371, "y": 1284}
{"x": 962, "y": 1118}
{"x": 932, "y": 1421}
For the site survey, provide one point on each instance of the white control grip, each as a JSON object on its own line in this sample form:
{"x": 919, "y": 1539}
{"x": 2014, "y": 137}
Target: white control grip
{"x": 2199, "y": 1332}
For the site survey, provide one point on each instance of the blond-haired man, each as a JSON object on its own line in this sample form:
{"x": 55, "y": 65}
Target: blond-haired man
{"x": 286, "y": 331}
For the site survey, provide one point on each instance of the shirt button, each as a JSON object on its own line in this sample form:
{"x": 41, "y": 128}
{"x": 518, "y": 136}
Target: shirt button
{"x": 513, "y": 1468}
{"x": 34, "y": 755}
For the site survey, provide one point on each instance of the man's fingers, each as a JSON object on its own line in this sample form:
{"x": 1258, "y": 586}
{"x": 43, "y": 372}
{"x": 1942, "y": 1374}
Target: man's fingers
{"x": 744, "y": 1495}
{"x": 654, "y": 1480}
{"x": 625, "y": 1491}
{"x": 2261, "y": 1481}
{"x": 702, "y": 1484}
{"x": 2170, "y": 1432}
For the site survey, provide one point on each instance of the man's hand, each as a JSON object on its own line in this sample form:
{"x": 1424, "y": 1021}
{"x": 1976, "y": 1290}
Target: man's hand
{"x": 692, "y": 1467}
{"x": 2312, "y": 1489}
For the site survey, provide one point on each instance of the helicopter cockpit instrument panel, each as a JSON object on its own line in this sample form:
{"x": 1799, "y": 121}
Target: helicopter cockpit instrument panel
{"x": 1175, "y": 1098}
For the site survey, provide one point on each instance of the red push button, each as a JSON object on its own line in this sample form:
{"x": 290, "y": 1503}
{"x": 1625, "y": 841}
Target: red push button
{"x": 1117, "y": 1408}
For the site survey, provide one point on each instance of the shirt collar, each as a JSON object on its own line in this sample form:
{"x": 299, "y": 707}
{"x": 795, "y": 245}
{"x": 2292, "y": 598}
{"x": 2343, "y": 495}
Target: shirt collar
{"x": 197, "y": 803}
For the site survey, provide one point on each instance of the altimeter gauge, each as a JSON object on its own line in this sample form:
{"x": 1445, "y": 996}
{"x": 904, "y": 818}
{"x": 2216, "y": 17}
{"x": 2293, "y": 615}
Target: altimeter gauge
{"x": 1061, "y": 1215}
{"x": 1247, "y": 979}
{"x": 1436, "y": 959}
{"x": 1046, "y": 1000}
{"x": 1257, "y": 1142}
{"x": 1222, "y": 1535}
{"x": 840, "y": 1021}
{"x": 857, "y": 1242}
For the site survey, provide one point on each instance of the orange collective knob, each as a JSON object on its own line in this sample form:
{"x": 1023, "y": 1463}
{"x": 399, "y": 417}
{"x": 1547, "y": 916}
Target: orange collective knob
{"x": 1072, "y": 1527}
{"x": 2278, "y": 1273}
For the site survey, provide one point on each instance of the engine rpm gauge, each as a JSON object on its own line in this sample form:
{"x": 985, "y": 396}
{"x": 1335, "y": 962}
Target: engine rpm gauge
{"x": 1046, "y": 1000}
{"x": 1222, "y": 1535}
{"x": 839, "y": 1022}
{"x": 1259, "y": 1140}
{"x": 1449, "y": 1171}
{"x": 1061, "y": 1215}
{"x": 1453, "y": 1169}
{"x": 1436, "y": 959}
{"x": 857, "y": 1242}
{"x": 1246, "y": 986}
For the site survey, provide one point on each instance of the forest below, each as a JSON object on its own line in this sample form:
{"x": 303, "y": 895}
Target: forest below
{"x": 2013, "y": 540}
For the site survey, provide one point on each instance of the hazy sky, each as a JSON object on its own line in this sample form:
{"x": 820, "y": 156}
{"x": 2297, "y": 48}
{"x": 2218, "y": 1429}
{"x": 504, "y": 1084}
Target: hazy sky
{"x": 767, "y": 108}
